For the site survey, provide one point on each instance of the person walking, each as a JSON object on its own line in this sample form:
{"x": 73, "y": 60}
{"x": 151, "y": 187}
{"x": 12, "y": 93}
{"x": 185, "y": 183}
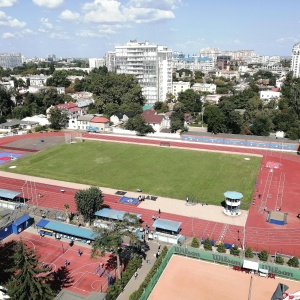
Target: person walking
{"x": 159, "y": 211}
{"x": 135, "y": 275}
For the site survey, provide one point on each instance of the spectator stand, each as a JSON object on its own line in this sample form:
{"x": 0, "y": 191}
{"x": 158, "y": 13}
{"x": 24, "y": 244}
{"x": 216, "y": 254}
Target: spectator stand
{"x": 61, "y": 230}
{"x": 106, "y": 215}
{"x": 9, "y": 199}
{"x": 167, "y": 231}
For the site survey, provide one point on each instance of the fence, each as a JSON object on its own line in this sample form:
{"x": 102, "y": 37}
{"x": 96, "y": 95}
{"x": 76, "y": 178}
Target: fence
{"x": 229, "y": 260}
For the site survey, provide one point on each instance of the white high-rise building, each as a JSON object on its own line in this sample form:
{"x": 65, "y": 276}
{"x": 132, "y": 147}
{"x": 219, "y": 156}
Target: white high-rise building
{"x": 11, "y": 60}
{"x": 151, "y": 64}
{"x": 96, "y": 62}
{"x": 296, "y": 60}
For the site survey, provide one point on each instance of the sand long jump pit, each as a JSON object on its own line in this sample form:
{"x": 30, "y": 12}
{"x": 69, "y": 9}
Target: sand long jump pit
{"x": 187, "y": 278}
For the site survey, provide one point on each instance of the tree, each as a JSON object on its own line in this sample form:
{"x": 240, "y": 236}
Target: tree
{"x": 279, "y": 260}
{"x": 138, "y": 124}
{"x": 6, "y": 104}
{"x": 293, "y": 262}
{"x": 58, "y": 118}
{"x": 111, "y": 237}
{"x": 195, "y": 243}
{"x": 207, "y": 245}
{"x": 235, "y": 250}
{"x": 66, "y": 207}
{"x": 249, "y": 253}
{"x": 263, "y": 255}
{"x": 221, "y": 248}
{"x": 29, "y": 281}
{"x": 88, "y": 202}
{"x": 161, "y": 107}
{"x": 59, "y": 79}
{"x": 215, "y": 119}
{"x": 191, "y": 101}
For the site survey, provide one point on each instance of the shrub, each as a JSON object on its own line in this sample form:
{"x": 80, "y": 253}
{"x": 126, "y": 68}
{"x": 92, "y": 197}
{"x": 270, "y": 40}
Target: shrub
{"x": 293, "y": 262}
{"x": 207, "y": 245}
{"x": 248, "y": 253}
{"x": 263, "y": 255}
{"x": 279, "y": 260}
{"x": 195, "y": 243}
{"x": 115, "y": 290}
{"x": 221, "y": 248}
{"x": 235, "y": 251}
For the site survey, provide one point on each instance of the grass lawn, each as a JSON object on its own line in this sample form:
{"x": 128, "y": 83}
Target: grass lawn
{"x": 174, "y": 173}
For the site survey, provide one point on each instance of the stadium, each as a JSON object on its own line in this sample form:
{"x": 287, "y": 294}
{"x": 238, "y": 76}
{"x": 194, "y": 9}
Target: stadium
{"x": 271, "y": 222}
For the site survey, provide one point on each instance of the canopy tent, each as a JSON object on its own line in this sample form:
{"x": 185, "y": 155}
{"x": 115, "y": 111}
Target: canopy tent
{"x": 166, "y": 225}
{"x": 113, "y": 214}
{"x": 8, "y": 194}
{"x": 66, "y": 229}
{"x": 252, "y": 265}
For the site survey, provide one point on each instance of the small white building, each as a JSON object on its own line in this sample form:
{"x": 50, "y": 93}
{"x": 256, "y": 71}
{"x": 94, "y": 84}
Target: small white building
{"x": 205, "y": 87}
{"x": 232, "y": 203}
{"x": 267, "y": 96}
{"x": 180, "y": 86}
{"x": 157, "y": 121}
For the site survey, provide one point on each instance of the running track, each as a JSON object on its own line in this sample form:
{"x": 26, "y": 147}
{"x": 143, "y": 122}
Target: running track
{"x": 283, "y": 186}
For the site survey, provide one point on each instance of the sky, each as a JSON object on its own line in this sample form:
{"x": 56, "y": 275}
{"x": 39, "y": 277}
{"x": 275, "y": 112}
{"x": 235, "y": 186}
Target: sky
{"x": 87, "y": 29}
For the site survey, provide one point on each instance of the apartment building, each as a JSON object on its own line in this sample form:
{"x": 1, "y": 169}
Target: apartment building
{"x": 295, "y": 68}
{"x": 151, "y": 64}
{"x": 11, "y": 60}
{"x": 96, "y": 62}
{"x": 180, "y": 86}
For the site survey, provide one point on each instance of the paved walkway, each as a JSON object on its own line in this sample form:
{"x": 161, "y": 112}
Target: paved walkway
{"x": 134, "y": 284}
{"x": 174, "y": 206}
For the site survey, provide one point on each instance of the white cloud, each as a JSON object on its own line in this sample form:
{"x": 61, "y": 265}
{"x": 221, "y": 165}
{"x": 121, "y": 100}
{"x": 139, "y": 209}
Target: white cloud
{"x": 287, "y": 39}
{"x": 9, "y": 21}
{"x": 7, "y": 3}
{"x": 87, "y": 34}
{"x": 157, "y": 4}
{"x": 7, "y": 35}
{"x": 45, "y": 23}
{"x": 59, "y": 36}
{"x": 48, "y": 3}
{"x": 103, "y": 11}
{"x": 69, "y": 15}
{"x": 146, "y": 15}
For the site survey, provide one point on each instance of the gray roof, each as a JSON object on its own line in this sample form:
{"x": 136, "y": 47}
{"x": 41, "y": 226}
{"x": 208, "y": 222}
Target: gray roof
{"x": 166, "y": 224}
{"x": 10, "y": 123}
{"x": 8, "y": 194}
{"x": 85, "y": 118}
{"x": 70, "y": 295}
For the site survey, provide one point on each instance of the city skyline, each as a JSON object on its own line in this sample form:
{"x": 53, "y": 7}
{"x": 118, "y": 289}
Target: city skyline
{"x": 84, "y": 28}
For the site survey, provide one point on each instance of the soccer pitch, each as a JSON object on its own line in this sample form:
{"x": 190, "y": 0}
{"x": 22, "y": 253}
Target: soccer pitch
{"x": 167, "y": 172}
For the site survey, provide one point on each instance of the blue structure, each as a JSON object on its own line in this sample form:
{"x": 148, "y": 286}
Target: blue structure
{"x": 65, "y": 230}
{"x": 8, "y": 194}
{"x": 113, "y": 214}
{"x": 167, "y": 225}
{"x": 21, "y": 224}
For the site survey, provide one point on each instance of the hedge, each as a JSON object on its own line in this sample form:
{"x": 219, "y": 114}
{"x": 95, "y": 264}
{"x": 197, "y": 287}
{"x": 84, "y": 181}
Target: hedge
{"x": 136, "y": 295}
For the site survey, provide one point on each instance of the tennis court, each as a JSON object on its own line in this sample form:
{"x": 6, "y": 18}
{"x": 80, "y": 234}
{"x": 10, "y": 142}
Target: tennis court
{"x": 187, "y": 278}
{"x": 82, "y": 274}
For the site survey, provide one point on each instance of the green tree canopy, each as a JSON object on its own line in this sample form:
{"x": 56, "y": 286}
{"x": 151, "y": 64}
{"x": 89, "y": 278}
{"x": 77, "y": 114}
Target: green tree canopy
{"x": 111, "y": 237}
{"x": 29, "y": 280}
{"x": 191, "y": 101}
{"x": 58, "y": 118}
{"x": 88, "y": 202}
{"x": 59, "y": 79}
{"x": 138, "y": 124}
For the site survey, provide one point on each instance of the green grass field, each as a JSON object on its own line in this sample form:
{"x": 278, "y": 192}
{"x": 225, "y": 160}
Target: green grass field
{"x": 168, "y": 172}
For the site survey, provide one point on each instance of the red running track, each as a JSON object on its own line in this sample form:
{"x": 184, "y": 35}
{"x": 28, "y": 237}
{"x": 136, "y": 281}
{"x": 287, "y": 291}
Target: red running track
{"x": 257, "y": 233}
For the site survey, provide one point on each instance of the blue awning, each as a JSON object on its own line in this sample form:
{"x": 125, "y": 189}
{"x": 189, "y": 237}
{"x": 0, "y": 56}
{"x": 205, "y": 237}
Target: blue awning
{"x": 166, "y": 224}
{"x": 233, "y": 195}
{"x": 42, "y": 223}
{"x": 21, "y": 220}
{"x": 71, "y": 230}
{"x": 8, "y": 194}
{"x": 112, "y": 214}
